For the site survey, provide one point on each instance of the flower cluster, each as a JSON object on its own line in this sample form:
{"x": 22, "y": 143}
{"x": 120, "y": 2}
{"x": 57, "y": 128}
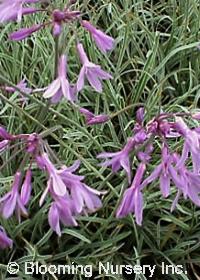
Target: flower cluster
{"x": 91, "y": 72}
{"x": 70, "y": 195}
{"x": 172, "y": 170}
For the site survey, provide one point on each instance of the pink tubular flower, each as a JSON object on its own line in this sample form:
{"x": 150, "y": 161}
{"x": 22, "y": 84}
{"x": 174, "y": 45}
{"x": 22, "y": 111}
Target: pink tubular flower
{"x": 191, "y": 144}
{"x": 91, "y": 71}
{"x": 13, "y": 10}
{"x": 84, "y": 198}
{"x": 92, "y": 119}
{"x": 61, "y": 210}
{"x": 14, "y": 15}
{"x": 187, "y": 182}
{"x": 145, "y": 155}
{"x": 12, "y": 201}
{"x": 22, "y": 85}
{"x": 61, "y": 85}
{"x": 78, "y": 197}
{"x": 103, "y": 41}
{"x": 24, "y": 32}
{"x": 26, "y": 188}
{"x": 4, "y": 134}
{"x": 55, "y": 181}
{"x": 165, "y": 172}
{"x": 140, "y": 115}
{"x": 5, "y": 241}
{"x": 132, "y": 201}
{"x": 120, "y": 159}
{"x": 189, "y": 186}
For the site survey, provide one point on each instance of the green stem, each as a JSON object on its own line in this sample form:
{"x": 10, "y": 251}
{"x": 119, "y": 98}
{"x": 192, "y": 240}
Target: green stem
{"x": 24, "y": 161}
{"x": 56, "y": 56}
{"x": 44, "y": 110}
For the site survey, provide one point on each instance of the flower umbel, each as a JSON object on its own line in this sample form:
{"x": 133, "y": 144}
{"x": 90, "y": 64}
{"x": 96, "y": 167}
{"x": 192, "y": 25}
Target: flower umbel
{"x": 171, "y": 170}
{"x": 77, "y": 198}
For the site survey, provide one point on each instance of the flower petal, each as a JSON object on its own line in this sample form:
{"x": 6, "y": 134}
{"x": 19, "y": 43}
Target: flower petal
{"x": 81, "y": 79}
{"x": 52, "y": 89}
{"x": 53, "y": 218}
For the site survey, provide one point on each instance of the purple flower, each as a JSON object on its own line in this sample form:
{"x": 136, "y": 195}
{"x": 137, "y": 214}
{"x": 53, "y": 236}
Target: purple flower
{"x": 24, "y": 32}
{"x": 120, "y": 159}
{"x": 191, "y": 144}
{"x": 55, "y": 181}
{"x": 146, "y": 155}
{"x": 92, "y": 119}
{"x": 196, "y": 116}
{"x": 22, "y": 85}
{"x": 91, "y": 71}
{"x": 5, "y": 241}
{"x": 26, "y": 188}
{"x": 4, "y": 134}
{"x": 61, "y": 85}
{"x": 189, "y": 186}
{"x": 164, "y": 171}
{"x": 12, "y": 201}
{"x": 62, "y": 16}
{"x": 58, "y": 18}
{"x": 132, "y": 201}
{"x": 140, "y": 136}
{"x": 140, "y": 115}
{"x": 61, "y": 210}
{"x": 33, "y": 141}
{"x": 79, "y": 199}
{"x": 57, "y": 28}
{"x": 83, "y": 197}
{"x": 103, "y": 41}
{"x": 187, "y": 182}
{"x": 13, "y": 10}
